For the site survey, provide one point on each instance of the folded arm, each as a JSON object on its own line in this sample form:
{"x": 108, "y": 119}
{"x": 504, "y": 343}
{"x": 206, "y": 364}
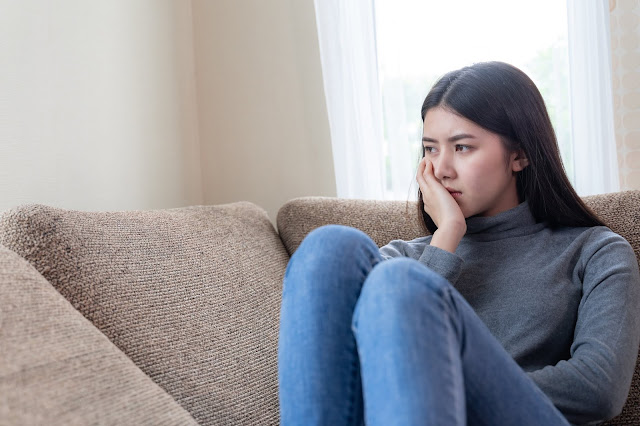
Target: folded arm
{"x": 593, "y": 384}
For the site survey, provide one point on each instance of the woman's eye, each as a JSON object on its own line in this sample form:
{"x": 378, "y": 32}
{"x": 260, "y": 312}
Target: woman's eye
{"x": 462, "y": 148}
{"x": 429, "y": 149}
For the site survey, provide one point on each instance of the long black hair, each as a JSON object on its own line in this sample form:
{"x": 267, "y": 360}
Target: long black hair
{"x": 504, "y": 100}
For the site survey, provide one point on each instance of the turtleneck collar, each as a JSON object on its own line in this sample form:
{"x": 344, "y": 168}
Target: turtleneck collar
{"x": 515, "y": 222}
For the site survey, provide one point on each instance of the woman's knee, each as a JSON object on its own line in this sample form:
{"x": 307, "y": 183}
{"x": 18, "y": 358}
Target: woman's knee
{"x": 337, "y": 241}
{"x": 406, "y": 275}
{"x": 333, "y": 255}
{"x": 397, "y": 285}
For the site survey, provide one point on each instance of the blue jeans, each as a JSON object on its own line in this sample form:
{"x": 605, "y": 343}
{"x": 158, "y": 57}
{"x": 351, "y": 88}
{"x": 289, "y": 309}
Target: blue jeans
{"x": 390, "y": 343}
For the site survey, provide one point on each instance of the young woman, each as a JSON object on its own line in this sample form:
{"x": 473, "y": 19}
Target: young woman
{"x": 520, "y": 308}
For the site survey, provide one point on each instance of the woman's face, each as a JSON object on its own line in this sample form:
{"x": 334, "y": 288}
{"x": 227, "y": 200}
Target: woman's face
{"x": 470, "y": 163}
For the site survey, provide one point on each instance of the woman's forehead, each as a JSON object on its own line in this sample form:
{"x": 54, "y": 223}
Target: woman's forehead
{"x": 443, "y": 121}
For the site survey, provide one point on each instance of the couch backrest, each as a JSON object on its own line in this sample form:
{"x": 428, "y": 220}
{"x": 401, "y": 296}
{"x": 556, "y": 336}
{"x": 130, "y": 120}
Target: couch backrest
{"x": 384, "y": 221}
{"x": 191, "y": 295}
{"x": 56, "y": 368}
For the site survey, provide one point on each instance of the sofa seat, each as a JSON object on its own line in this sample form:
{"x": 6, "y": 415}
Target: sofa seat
{"x": 171, "y": 316}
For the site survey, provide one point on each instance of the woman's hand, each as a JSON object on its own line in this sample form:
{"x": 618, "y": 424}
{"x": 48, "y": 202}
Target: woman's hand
{"x": 440, "y": 205}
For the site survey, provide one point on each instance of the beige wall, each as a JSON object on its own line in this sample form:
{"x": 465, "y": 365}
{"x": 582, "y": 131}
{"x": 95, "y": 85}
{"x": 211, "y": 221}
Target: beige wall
{"x": 262, "y": 117}
{"x": 144, "y": 104}
{"x": 140, "y": 104}
{"x": 97, "y": 104}
{"x": 625, "y": 55}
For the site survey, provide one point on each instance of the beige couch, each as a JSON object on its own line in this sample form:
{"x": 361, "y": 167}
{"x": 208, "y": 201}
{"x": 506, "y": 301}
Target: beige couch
{"x": 171, "y": 316}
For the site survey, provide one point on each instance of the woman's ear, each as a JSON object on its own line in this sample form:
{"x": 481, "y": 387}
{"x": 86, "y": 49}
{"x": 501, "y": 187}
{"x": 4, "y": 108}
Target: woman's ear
{"x": 518, "y": 161}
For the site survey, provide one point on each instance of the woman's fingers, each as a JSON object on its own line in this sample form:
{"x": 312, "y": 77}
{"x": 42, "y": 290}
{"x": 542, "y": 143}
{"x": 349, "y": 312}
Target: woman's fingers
{"x": 421, "y": 166}
{"x": 426, "y": 179}
{"x": 438, "y": 203}
{"x": 428, "y": 173}
{"x": 423, "y": 174}
{"x": 420, "y": 175}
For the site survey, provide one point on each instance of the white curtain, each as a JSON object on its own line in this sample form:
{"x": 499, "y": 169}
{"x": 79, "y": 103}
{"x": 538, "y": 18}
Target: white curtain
{"x": 593, "y": 137}
{"x": 346, "y": 34}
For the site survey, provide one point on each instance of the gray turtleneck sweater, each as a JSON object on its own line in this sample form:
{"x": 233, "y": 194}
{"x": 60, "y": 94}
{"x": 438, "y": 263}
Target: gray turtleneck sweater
{"x": 563, "y": 303}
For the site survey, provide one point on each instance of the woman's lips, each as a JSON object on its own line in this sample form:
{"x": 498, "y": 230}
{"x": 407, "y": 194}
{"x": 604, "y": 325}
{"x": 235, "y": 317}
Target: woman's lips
{"x": 454, "y": 193}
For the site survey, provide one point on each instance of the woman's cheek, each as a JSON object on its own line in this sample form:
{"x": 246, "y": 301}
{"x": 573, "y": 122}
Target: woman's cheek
{"x": 472, "y": 178}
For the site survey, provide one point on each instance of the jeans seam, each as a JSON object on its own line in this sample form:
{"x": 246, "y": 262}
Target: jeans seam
{"x": 353, "y": 376}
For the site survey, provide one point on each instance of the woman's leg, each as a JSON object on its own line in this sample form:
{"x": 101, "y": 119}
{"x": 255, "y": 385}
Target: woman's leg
{"x": 427, "y": 358}
{"x": 318, "y": 367}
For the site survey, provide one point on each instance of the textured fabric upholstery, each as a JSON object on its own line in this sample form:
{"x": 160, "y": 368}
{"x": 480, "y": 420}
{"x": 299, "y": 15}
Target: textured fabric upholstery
{"x": 191, "y": 295}
{"x": 384, "y": 221}
{"x": 621, "y": 212}
{"x": 56, "y": 368}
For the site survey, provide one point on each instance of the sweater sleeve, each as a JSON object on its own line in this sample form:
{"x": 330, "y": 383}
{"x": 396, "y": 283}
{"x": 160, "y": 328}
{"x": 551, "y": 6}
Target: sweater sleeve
{"x": 440, "y": 261}
{"x": 593, "y": 384}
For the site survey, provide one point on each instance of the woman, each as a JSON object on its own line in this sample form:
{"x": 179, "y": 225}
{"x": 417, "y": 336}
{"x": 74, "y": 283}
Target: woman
{"x": 518, "y": 309}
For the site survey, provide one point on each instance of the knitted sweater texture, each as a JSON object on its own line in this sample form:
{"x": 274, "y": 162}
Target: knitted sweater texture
{"x": 563, "y": 303}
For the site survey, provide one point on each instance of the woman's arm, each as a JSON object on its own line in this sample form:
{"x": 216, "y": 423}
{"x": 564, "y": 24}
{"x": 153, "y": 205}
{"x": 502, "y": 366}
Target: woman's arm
{"x": 438, "y": 250}
{"x": 447, "y": 239}
{"x": 442, "y": 262}
{"x": 442, "y": 208}
{"x": 593, "y": 384}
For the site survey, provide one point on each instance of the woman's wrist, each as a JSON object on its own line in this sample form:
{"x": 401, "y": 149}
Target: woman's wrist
{"x": 448, "y": 237}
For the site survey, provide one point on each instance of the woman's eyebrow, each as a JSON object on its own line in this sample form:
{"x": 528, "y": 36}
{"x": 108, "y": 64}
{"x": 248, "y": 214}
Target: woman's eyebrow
{"x": 451, "y": 139}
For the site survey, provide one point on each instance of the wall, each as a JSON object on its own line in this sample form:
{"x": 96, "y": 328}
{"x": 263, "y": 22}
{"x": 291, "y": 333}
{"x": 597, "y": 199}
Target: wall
{"x": 97, "y": 105}
{"x": 625, "y": 56}
{"x": 262, "y": 117}
{"x": 145, "y": 104}
{"x": 141, "y": 104}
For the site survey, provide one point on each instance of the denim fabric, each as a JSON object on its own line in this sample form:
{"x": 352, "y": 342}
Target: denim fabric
{"x": 390, "y": 342}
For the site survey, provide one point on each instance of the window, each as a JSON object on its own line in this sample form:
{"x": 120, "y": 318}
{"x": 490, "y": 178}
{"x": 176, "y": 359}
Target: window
{"x": 419, "y": 41}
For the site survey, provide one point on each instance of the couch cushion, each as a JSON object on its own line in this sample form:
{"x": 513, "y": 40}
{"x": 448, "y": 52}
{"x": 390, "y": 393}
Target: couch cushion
{"x": 56, "y": 368}
{"x": 384, "y": 221}
{"x": 191, "y": 294}
{"x": 621, "y": 212}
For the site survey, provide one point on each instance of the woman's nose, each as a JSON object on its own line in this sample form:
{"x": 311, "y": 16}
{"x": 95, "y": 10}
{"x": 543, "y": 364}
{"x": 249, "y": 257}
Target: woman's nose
{"x": 443, "y": 166}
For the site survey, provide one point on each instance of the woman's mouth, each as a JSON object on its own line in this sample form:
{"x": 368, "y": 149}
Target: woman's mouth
{"x": 454, "y": 193}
